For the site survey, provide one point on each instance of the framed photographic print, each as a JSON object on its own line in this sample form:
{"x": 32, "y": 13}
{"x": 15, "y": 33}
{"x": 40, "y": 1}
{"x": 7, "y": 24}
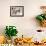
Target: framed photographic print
{"x": 16, "y": 11}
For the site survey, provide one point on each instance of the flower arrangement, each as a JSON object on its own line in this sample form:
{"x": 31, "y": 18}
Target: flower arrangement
{"x": 42, "y": 17}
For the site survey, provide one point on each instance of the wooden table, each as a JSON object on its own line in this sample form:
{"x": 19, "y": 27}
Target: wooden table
{"x": 25, "y": 44}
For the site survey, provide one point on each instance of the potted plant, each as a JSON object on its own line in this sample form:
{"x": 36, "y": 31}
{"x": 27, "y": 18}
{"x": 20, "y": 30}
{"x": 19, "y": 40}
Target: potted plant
{"x": 10, "y": 31}
{"x": 42, "y": 17}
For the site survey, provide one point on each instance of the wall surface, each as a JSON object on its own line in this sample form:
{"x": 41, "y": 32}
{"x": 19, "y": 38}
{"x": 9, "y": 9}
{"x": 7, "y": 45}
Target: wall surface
{"x": 26, "y": 25}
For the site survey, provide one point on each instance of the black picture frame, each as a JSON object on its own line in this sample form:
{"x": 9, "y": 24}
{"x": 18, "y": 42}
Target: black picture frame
{"x": 17, "y": 11}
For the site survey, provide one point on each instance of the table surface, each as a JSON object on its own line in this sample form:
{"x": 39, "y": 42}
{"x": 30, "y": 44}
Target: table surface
{"x": 31, "y": 45}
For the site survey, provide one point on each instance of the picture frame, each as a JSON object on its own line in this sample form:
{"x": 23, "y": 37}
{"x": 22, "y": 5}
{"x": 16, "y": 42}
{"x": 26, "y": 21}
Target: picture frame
{"x": 16, "y": 11}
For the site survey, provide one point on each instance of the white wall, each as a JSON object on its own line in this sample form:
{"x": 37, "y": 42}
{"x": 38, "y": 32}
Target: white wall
{"x": 27, "y": 24}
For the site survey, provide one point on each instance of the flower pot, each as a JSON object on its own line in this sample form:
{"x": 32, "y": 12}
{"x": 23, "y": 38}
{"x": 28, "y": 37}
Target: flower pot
{"x": 13, "y": 38}
{"x": 43, "y": 23}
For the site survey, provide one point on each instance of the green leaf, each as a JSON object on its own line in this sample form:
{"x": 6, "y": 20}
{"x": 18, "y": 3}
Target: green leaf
{"x": 45, "y": 16}
{"x": 40, "y": 18}
{"x": 10, "y": 31}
